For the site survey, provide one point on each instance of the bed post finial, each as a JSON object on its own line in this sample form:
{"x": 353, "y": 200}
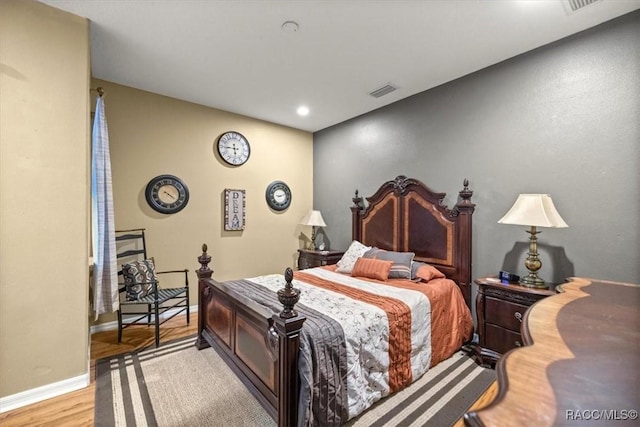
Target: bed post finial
{"x": 204, "y": 271}
{"x": 288, "y": 296}
{"x": 465, "y": 194}
{"x": 357, "y": 200}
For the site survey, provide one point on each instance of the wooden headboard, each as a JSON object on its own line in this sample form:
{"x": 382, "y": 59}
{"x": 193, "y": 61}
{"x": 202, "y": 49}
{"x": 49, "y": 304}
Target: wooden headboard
{"x": 404, "y": 215}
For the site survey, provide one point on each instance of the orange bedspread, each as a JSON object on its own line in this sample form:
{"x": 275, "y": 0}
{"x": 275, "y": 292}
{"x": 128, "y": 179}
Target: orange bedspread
{"x": 451, "y": 321}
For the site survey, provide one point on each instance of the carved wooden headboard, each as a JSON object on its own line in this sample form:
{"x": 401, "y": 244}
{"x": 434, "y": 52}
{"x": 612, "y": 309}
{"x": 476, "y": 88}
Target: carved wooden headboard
{"x": 404, "y": 215}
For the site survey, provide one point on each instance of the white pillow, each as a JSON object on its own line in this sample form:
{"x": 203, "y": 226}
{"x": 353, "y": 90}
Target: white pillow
{"x": 348, "y": 260}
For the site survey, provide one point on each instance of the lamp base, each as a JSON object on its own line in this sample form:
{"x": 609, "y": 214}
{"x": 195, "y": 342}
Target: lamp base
{"x": 533, "y": 263}
{"x": 533, "y": 282}
{"x": 312, "y": 243}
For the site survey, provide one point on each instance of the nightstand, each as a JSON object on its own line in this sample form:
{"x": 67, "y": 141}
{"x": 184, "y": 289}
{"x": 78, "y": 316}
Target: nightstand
{"x": 500, "y": 308}
{"x": 308, "y": 258}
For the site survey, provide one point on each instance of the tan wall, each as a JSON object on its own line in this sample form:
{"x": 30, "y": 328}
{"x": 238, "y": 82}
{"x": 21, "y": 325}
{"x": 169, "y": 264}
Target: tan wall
{"x": 44, "y": 197}
{"x": 44, "y": 190}
{"x": 152, "y": 135}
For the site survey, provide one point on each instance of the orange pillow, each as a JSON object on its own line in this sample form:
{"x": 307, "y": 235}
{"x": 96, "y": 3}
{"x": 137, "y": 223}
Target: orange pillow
{"x": 428, "y": 272}
{"x": 372, "y": 268}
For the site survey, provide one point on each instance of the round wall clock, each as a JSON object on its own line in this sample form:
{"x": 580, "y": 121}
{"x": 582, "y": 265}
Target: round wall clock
{"x": 167, "y": 194}
{"x": 278, "y": 196}
{"x": 233, "y": 148}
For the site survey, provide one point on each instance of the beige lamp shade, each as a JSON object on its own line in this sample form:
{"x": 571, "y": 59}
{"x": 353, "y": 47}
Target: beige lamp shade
{"x": 534, "y": 210}
{"x": 313, "y": 218}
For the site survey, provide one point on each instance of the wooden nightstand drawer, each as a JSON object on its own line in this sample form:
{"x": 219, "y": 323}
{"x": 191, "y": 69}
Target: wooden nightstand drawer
{"x": 309, "y": 259}
{"x": 304, "y": 263}
{"x": 503, "y": 313}
{"x": 501, "y": 339}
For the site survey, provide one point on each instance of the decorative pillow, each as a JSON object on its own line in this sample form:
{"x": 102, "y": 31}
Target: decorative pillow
{"x": 401, "y": 268}
{"x": 348, "y": 260}
{"x": 139, "y": 277}
{"x": 425, "y": 272}
{"x": 372, "y": 268}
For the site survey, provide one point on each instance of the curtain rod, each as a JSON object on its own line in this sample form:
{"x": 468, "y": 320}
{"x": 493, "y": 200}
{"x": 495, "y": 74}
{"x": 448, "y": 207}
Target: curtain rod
{"x": 100, "y": 91}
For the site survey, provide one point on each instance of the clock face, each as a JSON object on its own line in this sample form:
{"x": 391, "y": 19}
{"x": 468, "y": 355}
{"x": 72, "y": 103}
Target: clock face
{"x": 278, "y": 196}
{"x": 234, "y": 148}
{"x": 167, "y": 194}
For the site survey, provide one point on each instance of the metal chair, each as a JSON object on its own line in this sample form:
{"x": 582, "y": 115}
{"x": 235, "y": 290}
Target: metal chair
{"x": 139, "y": 286}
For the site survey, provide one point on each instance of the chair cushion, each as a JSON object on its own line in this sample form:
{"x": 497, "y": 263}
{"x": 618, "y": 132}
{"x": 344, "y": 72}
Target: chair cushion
{"x": 139, "y": 277}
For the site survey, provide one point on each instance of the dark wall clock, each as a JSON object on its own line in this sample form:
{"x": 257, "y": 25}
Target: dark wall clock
{"x": 233, "y": 148}
{"x": 167, "y": 194}
{"x": 278, "y": 196}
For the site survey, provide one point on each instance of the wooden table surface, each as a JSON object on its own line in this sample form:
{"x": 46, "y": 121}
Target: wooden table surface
{"x": 580, "y": 364}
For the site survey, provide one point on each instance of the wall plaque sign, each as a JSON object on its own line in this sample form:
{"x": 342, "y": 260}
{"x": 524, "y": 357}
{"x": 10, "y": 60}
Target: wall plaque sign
{"x": 234, "y": 209}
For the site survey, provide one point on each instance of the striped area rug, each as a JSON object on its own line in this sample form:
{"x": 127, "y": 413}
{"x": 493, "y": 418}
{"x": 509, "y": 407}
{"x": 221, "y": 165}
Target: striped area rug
{"x": 174, "y": 385}
{"x": 177, "y": 385}
{"x": 438, "y": 398}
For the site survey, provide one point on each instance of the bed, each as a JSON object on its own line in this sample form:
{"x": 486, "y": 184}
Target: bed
{"x": 319, "y": 346}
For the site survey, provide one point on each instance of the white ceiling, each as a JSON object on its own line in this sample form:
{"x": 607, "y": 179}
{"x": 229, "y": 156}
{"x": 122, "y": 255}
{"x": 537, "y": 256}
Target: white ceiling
{"x": 234, "y": 55}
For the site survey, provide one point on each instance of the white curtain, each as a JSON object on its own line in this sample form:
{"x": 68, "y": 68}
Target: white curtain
{"x": 105, "y": 273}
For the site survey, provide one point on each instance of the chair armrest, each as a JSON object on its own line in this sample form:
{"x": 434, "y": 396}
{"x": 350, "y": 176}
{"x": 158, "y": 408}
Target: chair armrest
{"x": 185, "y": 272}
{"x": 173, "y": 271}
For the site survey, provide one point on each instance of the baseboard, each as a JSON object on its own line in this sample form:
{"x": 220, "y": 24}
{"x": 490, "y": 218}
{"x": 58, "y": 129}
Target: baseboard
{"x": 48, "y": 391}
{"x": 112, "y": 326}
{"x": 44, "y": 392}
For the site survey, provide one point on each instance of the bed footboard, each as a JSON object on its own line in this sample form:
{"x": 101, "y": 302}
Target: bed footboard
{"x": 261, "y": 349}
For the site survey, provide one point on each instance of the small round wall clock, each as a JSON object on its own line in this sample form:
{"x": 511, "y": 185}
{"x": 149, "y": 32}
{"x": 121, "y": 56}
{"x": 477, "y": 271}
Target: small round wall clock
{"x": 233, "y": 148}
{"x": 167, "y": 194}
{"x": 278, "y": 196}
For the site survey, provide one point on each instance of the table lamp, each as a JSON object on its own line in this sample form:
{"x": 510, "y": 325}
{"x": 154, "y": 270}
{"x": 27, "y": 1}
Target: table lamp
{"x": 314, "y": 219}
{"x": 533, "y": 210}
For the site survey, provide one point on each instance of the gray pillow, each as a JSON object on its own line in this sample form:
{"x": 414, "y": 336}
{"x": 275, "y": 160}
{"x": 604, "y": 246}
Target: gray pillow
{"x": 401, "y": 268}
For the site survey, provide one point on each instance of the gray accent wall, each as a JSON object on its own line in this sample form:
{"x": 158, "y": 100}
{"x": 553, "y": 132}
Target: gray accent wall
{"x": 563, "y": 119}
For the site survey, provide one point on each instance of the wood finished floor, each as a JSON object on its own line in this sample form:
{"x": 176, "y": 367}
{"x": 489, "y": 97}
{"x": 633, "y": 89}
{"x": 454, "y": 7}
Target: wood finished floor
{"x": 77, "y": 408}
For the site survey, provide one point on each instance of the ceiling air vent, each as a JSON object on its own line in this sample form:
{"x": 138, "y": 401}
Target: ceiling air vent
{"x": 571, "y": 6}
{"x": 382, "y": 91}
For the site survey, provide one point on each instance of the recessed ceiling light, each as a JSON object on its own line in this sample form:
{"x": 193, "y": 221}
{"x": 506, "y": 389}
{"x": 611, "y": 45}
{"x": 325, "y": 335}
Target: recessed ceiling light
{"x": 303, "y": 110}
{"x": 290, "y": 27}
